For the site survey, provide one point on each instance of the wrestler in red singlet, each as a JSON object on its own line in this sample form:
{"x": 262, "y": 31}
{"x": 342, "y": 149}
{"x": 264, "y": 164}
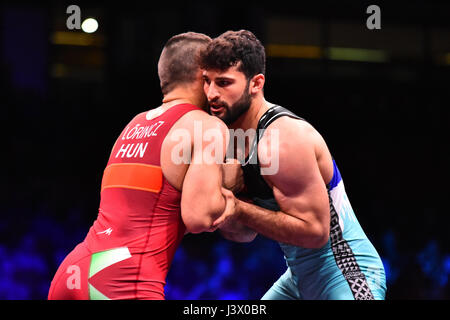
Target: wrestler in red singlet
{"x": 149, "y": 199}
{"x": 129, "y": 248}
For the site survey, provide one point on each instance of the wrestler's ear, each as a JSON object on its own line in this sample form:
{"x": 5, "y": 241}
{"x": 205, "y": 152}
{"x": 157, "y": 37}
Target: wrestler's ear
{"x": 257, "y": 83}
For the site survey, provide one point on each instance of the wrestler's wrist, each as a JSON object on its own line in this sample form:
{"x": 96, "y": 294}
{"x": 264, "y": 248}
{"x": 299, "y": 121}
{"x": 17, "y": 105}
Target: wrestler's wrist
{"x": 239, "y": 206}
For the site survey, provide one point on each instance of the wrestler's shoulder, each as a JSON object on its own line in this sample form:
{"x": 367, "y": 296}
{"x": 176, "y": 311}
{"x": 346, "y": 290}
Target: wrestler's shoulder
{"x": 288, "y": 128}
{"x": 206, "y": 120}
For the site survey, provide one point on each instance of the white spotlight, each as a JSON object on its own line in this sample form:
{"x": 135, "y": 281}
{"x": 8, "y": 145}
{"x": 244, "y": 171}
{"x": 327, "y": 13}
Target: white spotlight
{"x": 89, "y": 25}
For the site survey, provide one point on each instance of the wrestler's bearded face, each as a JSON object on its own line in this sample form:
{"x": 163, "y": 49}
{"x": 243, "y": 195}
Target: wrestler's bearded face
{"x": 227, "y": 93}
{"x": 230, "y": 113}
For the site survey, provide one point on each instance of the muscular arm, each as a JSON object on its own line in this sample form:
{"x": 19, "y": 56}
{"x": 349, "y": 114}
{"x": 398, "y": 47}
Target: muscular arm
{"x": 233, "y": 179}
{"x": 298, "y": 188}
{"x": 202, "y": 197}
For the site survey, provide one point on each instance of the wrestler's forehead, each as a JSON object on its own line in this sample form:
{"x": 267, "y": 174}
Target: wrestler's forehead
{"x": 232, "y": 73}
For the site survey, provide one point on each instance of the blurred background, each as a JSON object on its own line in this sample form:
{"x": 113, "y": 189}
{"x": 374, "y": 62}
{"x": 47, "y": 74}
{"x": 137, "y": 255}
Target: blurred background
{"x": 380, "y": 98}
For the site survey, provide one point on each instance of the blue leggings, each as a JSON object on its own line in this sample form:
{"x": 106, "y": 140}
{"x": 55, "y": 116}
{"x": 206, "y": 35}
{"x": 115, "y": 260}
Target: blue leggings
{"x": 285, "y": 288}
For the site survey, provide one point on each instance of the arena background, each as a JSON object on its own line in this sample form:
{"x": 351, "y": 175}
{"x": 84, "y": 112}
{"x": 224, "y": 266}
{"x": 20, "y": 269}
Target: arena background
{"x": 380, "y": 98}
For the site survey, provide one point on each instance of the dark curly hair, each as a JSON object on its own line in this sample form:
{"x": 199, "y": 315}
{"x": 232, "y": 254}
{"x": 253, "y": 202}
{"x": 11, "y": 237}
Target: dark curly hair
{"x": 235, "y": 48}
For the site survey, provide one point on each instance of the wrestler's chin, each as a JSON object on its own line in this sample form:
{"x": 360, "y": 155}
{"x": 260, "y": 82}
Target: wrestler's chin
{"x": 217, "y": 112}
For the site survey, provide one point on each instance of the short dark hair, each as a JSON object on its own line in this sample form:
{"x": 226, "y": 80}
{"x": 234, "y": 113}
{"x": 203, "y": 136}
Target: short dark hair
{"x": 179, "y": 60}
{"x": 232, "y": 47}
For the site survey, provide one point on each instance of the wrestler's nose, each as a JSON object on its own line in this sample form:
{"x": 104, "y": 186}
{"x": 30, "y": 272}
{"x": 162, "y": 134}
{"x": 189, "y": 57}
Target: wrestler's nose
{"x": 211, "y": 92}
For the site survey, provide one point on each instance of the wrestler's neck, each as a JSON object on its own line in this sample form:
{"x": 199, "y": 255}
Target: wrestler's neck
{"x": 250, "y": 119}
{"x": 181, "y": 95}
